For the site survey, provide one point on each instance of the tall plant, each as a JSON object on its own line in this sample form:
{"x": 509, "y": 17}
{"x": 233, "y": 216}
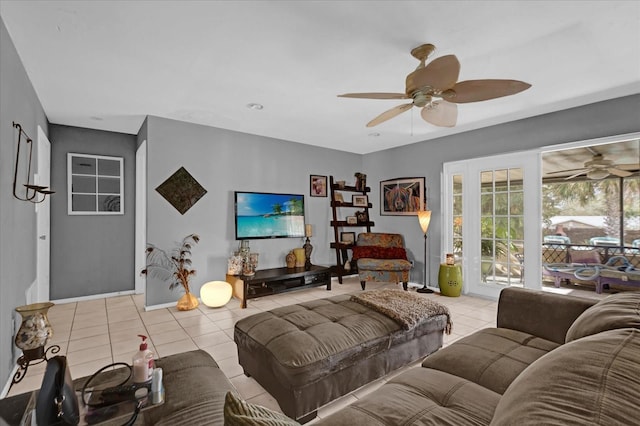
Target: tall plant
{"x": 173, "y": 267}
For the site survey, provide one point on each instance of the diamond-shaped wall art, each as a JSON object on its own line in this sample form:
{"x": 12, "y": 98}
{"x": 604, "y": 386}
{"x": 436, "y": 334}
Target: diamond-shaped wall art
{"x": 181, "y": 190}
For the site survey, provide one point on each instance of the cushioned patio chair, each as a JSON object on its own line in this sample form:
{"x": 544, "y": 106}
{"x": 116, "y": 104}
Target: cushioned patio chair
{"x": 381, "y": 257}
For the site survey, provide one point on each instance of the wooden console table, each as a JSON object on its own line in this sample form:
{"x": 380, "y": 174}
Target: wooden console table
{"x": 278, "y": 280}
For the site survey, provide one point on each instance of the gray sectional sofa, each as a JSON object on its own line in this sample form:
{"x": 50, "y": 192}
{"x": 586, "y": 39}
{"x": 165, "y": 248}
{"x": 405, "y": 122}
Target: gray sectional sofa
{"x": 552, "y": 360}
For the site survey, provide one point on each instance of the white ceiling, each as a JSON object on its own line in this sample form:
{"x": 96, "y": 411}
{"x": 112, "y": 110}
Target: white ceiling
{"x": 108, "y": 64}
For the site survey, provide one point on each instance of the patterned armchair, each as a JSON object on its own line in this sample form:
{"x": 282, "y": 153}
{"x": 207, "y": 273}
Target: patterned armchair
{"x": 381, "y": 257}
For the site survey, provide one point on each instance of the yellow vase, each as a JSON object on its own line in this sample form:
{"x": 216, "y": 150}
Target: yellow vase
{"x": 187, "y": 302}
{"x": 300, "y": 257}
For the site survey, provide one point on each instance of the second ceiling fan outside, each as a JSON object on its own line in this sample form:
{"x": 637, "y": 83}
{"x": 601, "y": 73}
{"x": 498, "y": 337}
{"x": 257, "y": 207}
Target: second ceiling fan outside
{"x": 434, "y": 87}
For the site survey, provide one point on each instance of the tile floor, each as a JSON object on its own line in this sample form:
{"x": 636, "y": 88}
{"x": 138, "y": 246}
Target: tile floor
{"x": 95, "y": 333}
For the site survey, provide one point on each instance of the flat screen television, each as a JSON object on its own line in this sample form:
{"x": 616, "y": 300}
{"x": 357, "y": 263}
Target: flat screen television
{"x": 268, "y": 215}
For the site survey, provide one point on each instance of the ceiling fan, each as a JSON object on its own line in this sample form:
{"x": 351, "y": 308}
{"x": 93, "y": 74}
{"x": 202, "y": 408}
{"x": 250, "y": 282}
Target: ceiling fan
{"x": 435, "y": 88}
{"x": 596, "y": 168}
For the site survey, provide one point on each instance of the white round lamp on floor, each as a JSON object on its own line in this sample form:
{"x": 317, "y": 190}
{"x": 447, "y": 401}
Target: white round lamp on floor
{"x": 215, "y": 294}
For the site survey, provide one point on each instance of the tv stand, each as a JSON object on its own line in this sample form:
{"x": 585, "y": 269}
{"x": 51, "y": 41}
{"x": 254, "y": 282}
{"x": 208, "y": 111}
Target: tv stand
{"x": 266, "y": 282}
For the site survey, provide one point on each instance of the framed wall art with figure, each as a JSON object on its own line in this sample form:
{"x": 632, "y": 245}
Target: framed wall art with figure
{"x": 402, "y": 196}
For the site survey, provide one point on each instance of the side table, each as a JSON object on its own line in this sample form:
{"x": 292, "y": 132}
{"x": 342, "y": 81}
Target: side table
{"x": 450, "y": 280}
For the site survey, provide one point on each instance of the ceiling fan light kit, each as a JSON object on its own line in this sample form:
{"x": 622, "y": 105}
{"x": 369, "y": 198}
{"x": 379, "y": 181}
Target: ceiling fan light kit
{"x": 597, "y": 174}
{"x": 434, "y": 87}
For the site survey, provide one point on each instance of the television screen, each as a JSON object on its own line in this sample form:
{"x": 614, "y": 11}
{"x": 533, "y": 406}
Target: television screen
{"x": 268, "y": 215}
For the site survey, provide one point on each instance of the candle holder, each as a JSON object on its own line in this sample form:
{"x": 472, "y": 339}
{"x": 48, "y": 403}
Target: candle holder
{"x": 308, "y": 248}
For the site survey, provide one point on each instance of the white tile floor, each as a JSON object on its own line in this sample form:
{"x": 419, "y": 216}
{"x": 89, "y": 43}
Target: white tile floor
{"x": 95, "y": 333}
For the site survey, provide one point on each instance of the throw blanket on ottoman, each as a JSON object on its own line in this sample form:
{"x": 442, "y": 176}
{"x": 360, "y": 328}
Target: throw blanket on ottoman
{"x": 310, "y": 353}
{"x": 403, "y": 307}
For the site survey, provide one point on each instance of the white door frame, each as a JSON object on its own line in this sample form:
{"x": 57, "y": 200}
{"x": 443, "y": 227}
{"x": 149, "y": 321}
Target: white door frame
{"x": 529, "y": 161}
{"x": 43, "y": 221}
{"x": 141, "y": 217}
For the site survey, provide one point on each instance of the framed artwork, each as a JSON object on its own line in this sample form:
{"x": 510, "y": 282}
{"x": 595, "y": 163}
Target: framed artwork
{"x": 347, "y": 237}
{"x": 352, "y": 220}
{"x": 402, "y": 196}
{"x": 360, "y": 200}
{"x": 181, "y": 190}
{"x": 318, "y": 185}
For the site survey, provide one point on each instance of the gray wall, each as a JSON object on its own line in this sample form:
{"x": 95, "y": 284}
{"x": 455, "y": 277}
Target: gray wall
{"x": 91, "y": 254}
{"x": 224, "y": 161}
{"x": 614, "y": 117}
{"x": 19, "y": 103}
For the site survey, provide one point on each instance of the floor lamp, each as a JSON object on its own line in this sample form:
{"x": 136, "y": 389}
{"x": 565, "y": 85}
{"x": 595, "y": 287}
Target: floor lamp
{"x": 424, "y": 216}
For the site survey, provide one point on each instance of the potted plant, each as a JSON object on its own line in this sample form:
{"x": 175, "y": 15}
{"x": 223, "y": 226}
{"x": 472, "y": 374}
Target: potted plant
{"x": 175, "y": 268}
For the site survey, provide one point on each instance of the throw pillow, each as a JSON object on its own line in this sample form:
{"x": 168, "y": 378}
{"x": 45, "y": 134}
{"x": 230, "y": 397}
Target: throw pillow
{"x": 375, "y": 252}
{"x": 591, "y": 381}
{"x": 620, "y": 310}
{"x": 239, "y": 413}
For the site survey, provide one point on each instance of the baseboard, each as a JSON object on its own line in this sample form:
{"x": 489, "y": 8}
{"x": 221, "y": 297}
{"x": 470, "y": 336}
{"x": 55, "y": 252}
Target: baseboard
{"x": 161, "y": 306}
{"x": 94, "y": 297}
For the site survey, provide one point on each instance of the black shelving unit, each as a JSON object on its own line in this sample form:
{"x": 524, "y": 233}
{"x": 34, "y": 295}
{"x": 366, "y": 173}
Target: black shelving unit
{"x": 342, "y": 249}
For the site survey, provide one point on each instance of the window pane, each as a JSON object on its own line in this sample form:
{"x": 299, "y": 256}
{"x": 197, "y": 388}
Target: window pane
{"x": 487, "y": 204}
{"x": 486, "y": 180}
{"x": 83, "y": 165}
{"x": 457, "y": 205}
{"x": 108, "y": 167}
{"x": 515, "y": 179}
{"x": 502, "y": 203}
{"x": 83, "y": 184}
{"x": 516, "y": 203}
{"x": 109, "y": 203}
{"x": 83, "y": 203}
{"x": 108, "y": 185}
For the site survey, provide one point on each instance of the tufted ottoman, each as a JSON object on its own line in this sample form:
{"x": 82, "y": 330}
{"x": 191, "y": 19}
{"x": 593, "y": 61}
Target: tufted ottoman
{"x": 308, "y": 354}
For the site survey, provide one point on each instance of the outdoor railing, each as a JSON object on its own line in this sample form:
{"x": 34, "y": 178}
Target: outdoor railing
{"x": 561, "y": 253}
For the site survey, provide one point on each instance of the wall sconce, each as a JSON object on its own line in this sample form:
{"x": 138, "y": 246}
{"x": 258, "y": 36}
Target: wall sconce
{"x": 31, "y": 191}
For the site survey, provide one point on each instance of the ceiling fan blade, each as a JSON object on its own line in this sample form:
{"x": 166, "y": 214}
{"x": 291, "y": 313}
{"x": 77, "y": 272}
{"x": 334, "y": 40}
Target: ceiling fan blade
{"x": 482, "y": 90}
{"x": 619, "y": 172}
{"x": 574, "y": 176}
{"x": 374, "y": 95}
{"x": 442, "y": 114}
{"x": 389, "y": 114}
{"x": 568, "y": 170}
{"x": 440, "y": 74}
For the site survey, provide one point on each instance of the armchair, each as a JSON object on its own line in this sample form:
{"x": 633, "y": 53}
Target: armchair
{"x": 381, "y": 257}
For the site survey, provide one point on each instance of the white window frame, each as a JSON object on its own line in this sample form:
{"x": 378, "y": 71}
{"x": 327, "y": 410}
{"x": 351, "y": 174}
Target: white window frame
{"x": 70, "y": 193}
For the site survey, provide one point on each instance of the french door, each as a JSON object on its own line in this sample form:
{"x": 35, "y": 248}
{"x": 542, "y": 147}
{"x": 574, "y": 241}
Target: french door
{"x": 491, "y": 210}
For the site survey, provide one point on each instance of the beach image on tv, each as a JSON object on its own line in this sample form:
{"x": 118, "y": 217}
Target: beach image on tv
{"x": 269, "y": 215}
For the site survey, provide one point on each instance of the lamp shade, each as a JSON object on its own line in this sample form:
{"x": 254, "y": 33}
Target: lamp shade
{"x": 215, "y": 294}
{"x": 424, "y": 216}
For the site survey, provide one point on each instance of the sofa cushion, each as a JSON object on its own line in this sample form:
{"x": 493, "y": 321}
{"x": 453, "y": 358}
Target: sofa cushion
{"x": 194, "y": 391}
{"x": 620, "y": 310}
{"x": 240, "y": 413}
{"x": 499, "y": 355}
{"x": 420, "y": 396}
{"x": 590, "y": 381}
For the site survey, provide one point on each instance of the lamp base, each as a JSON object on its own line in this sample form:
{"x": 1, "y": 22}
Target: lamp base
{"x": 424, "y": 289}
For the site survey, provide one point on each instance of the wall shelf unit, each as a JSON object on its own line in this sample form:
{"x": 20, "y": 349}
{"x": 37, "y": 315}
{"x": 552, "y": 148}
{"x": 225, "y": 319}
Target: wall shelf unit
{"x": 339, "y": 204}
